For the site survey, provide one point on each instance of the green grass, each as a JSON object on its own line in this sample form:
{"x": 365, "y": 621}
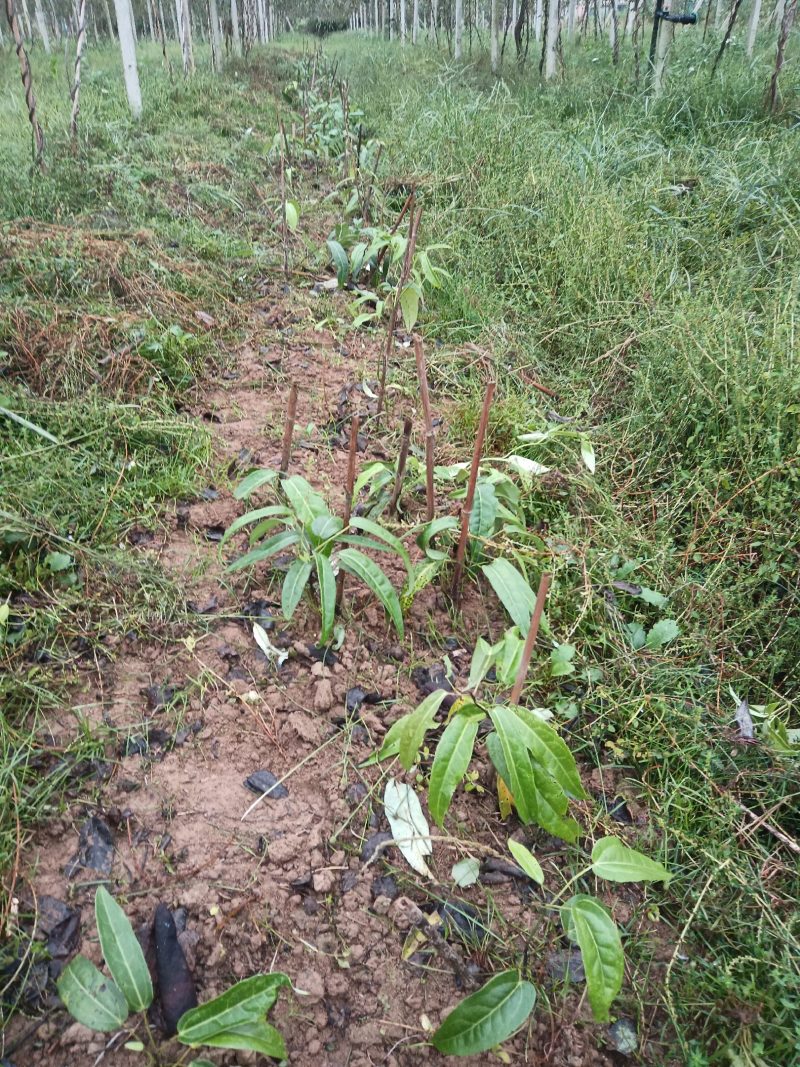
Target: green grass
{"x": 664, "y": 316}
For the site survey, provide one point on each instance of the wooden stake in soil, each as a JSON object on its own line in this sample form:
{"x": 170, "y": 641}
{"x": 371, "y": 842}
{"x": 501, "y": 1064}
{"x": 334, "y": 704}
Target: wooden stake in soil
{"x": 401, "y": 465}
{"x": 530, "y": 640}
{"x": 284, "y": 222}
{"x": 288, "y": 429}
{"x": 348, "y": 497}
{"x": 466, "y": 511}
{"x": 422, "y": 375}
{"x": 404, "y": 275}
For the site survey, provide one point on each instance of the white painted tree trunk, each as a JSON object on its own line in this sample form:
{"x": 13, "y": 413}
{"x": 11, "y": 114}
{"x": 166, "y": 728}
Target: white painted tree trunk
{"x": 236, "y": 36}
{"x": 537, "y": 20}
{"x": 402, "y": 21}
{"x": 391, "y": 20}
{"x": 776, "y": 18}
{"x": 41, "y": 25}
{"x": 495, "y": 35}
{"x": 551, "y": 44}
{"x": 133, "y": 22}
{"x": 752, "y": 27}
{"x": 186, "y": 38}
{"x": 26, "y": 18}
{"x": 415, "y": 23}
{"x": 127, "y": 47}
{"x": 375, "y": 19}
{"x": 76, "y": 81}
{"x": 459, "y": 28}
{"x": 666, "y": 36}
{"x": 571, "y": 18}
{"x": 216, "y": 35}
{"x": 109, "y": 22}
{"x": 612, "y": 29}
{"x": 718, "y": 15}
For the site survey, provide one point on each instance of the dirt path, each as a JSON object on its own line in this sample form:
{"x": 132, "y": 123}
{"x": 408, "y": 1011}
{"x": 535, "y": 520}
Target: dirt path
{"x": 288, "y": 887}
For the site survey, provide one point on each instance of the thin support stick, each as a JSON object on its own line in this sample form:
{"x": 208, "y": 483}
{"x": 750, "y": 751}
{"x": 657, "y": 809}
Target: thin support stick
{"x": 404, "y": 275}
{"x": 348, "y": 498}
{"x": 288, "y": 429}
{"x": 422, "y": 375}
{"x": 401, "y": 465}
{"x": 466, "y": 510}
{"x": 284, "y": 221}
{"x": 530, "y": 640}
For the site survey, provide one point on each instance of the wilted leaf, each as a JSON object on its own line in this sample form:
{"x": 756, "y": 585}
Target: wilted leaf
{"x": 465, "y": 872}
{"x": 745, "y": 722}
{"x": 270, "y": 651}
{"x": 409, "y": 827}
{"x": 587, "y": 454}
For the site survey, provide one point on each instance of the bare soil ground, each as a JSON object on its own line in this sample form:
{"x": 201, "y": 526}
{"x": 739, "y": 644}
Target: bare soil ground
{"x": 290, "y": 887}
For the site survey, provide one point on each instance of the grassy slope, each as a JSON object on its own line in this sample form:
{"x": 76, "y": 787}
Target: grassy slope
{"x": 665, "y": 320}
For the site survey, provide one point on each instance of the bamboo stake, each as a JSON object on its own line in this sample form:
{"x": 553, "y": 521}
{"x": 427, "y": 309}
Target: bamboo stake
{"x": 401, "y": 466}
{"x": 409, "y": 256}
{"x": 530, "y": 640}
{"x": 422, "y": 375}
{"x": 288, "y": 429}
{"x": 466, "y": 510}
{"x": 348, "y": 498}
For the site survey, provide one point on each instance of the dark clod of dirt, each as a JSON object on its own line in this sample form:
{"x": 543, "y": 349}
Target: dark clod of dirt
{"x": 264, "y": 782}
{"x": 617, "y": 809}
{"x": 241, "y": 462}
{"x": 430, "y": 679}
{"x": 258, "y": 611}
{"x": 175, "y": 982}
{"x": 357, "y": 696}
{"x": 203, "y": 607}
{"x": 95, "y": 848}
{"x": 214, "y": 533}
{"x": 566, "y": 965}
{"x": 60, "y": 924}
{"x": 143, "y": 745}
{"x": 159, "y": 696}
{"x": 209, "y": 494}
{"x": 349, "y": 880}
{"x": 372, "y": 844}
{"x": 463, "y": 920}
{"x": 385, "y": 886}
{"x": 356, "y": 793}
{"x": 502, "y": 869}
{"x": 326, "y": 656}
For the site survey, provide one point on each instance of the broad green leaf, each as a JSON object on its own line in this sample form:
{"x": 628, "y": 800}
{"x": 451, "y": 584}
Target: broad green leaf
{"x": 408, "y": 825}
{"x": 586, "y": 921}
{"x": 362, "y": 542}
{"x": 651, "y": 596}
{"x": 360, "y": 566}
{"x": 122, "y": 952}
{"x": 391, "y": 742}
{"x": 587, "y": 454}
{"x": 482, "y": 659}
{"x": 465, "y": 872}
{"x": 306, "y": 503}
{"x": 551, "y": 751}
{"x": 256, "y": 1036}
{"x": 551, "y": 806}
{"x": 662, "y": 633}
{"x": 253, "y": 481}
{"x": 90, "y": 997}
{"x": 272, "y": 511}
{"x": 486, "y": 1018}
{"x": 484, "y": 510}
{"x": 433, "y": 529}
{"x": 412, "y": 729}
{"x": 509, "y": 657}
{"x": 614, "y": 861}
{"x": 527, "y": 861}
{"x": 528, "y": 468}
{"x": 327, "y": 595}
{"x": 512, "y": 590}
{"x": 453, "y": 753}
{"x": 294, "y": 585}
{"x": 324, "y": 527}
{"x": 409, "y": 305}
{"x": 561, "y": 660}
{"x": 270, "y": 547}
{"x": 58, "y": 561}
{"x": 520, "y": 778}
{"x": 340, "y": 262}
{"x": 358, "y": 522}
{"x": 244, "y": 1002}
{"x": 292, "y": 215}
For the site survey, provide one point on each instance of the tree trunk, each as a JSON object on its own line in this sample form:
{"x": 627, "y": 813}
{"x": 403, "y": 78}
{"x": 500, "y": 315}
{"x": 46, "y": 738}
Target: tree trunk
{"x": 402, "y": 21}
{"x": 752, "y": 27}
{"x": 459, "y": 29}
{"x": 571, "y": 19}
{"x": 76, "y": 82}
{"x": 613, "y": 33}
{"x": 551, "y": 40}
{"x": 666, "y": 35}
{"x": 216, "y": 35}
{"x": 789, "y": 11}
{"x": 391, "y": 20}
{"x": 495, "y": 36}
{"x": 41, "y": 25}
{"x": 27, "y": 82}
{"x": 537, "y": 19}
{"x": 109, "y": 21}
{"x": 415, "y": 23}
{"x": 186, "y": 38}
{"x": 128, "y": 49}
{"x": 236, "y": 36}
{"x": 150, "y": 22}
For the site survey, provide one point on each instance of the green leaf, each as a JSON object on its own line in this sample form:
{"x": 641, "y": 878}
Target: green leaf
{"x": 561, "y": 660}
{"x": 453, "y": 753}
{"x": 257, "y": 1036}
{"x": 270, "y": 547}
{"x": 551, "y": 751}
{"x": 412, "y": 732}
{"x": 253, "y": 481}
{"x": 327, "y": 595}
{"x": 58, "y": 561}
{"x": 340, "y": 262}
{"x": 409, "y": 305}
{"x": 292, "y": 215}
{"x": 244, "y": 1002}
{"x": 433, "y": 529}
{"x": 272, "y": 511}
{"x": 551, "y": 805}
{"x": 662, "y": 633}
{"x": 358, "y": 522}
{"x": 586, "y": 921}
{"x": 122, "y": 951}
{"x": 486, "y": 1018}
{"x": 527, "y": 861}
{"x": 484, "y": 510}
{"x": 512, "y": 590}
{"x": 324, "y": 527}
{"x": 90, "y": 997}
{"x": 509, "y": 657}
{"x": 306, "y": 503}
{"x": 482, "y": 659}
{"x": 614, "y": 861}
{"x": 651, "y": 596}
{"x": 360, "y": 566}
{"x": 520, "y": 780}
{"x": 465, "y": 872}
{"x": 587, "y": 454}
{"x": 294, "y": 585}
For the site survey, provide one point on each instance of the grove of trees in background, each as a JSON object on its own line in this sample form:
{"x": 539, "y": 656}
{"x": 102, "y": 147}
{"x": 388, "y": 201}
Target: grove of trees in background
{"x": 520, "y": 31}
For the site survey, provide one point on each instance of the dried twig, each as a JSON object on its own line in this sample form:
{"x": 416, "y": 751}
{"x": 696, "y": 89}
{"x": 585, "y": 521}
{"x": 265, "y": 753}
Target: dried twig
{"x": 348, "y": 497}
{"x": 288, "y": 429}
{"x": 422, "y": 375}
{"x": 404, "y": 275}
{"x": 530, "y": 640}
{"x": 401, "y": 465}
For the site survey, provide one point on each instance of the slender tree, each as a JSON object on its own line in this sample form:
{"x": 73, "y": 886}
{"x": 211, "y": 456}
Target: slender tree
{"x": 752, "y": 27}
{"x": 459, "y": 29}
{"x": 186, "y": 38}
{"x": 495, "y": 36}
{"x": 41, "y": 25}
{"x": 789, "y": 11}
{"x": 27, "y": 82}
{"x": 76, "y": 81}
{"x": 551, "y": 40}
{"x": 236, "y": 37}
{"x": 127, "y": 46}
{"x": 216, "y": 35}
{"x": 666, "y": 36}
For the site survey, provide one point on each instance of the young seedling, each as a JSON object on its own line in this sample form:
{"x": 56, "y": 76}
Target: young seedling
{"x": 466, "y": 511}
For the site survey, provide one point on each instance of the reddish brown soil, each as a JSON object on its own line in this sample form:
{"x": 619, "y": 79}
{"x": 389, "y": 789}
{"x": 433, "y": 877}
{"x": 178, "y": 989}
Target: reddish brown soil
{"x": 285, "y": 888}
